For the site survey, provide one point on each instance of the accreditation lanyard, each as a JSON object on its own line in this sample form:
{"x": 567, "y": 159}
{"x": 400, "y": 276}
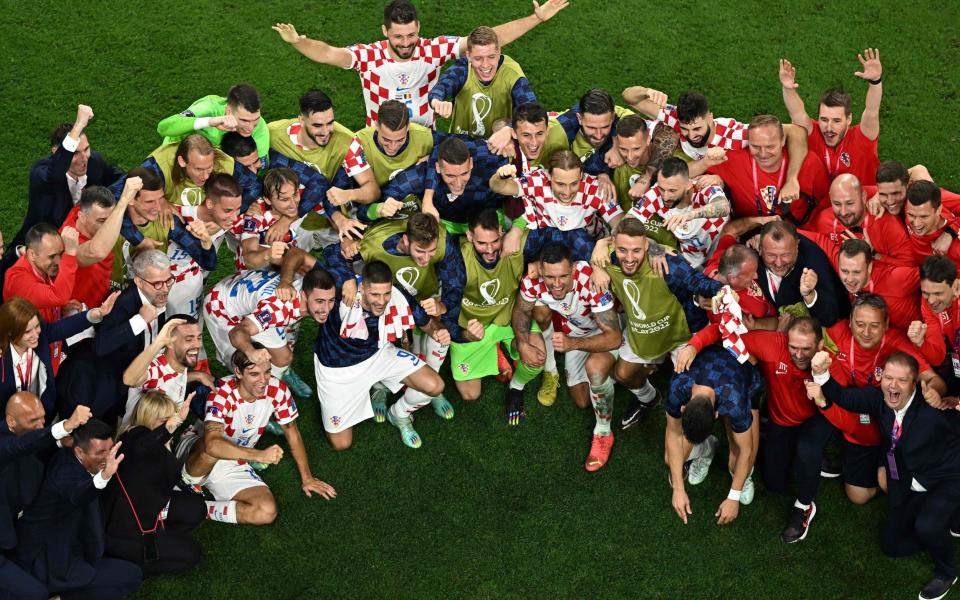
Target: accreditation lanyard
{"x": 26, "y": 377}
{"x": 853, "y": 362}
{"x": 833, "y": 166}
{"x": 774, "y": 195}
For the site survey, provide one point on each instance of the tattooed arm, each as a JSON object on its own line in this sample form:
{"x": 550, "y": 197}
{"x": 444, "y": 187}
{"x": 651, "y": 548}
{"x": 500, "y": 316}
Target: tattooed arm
{"x": 718, "y": 208}
{"x": 609, "y": 338}
{"x": 662, "y": 146}
{"x": 530, "y": 354}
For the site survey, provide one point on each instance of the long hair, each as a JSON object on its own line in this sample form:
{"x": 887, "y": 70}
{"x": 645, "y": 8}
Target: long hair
{"x": 153, "y": 405}
{"x": 15, "y": 315}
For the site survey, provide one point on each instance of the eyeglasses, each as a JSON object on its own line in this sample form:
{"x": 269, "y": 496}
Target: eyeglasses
{"x": 159, "y": 285}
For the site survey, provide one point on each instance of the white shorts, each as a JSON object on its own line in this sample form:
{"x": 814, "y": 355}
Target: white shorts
{"x": 228, "y": 478}
{"x": 220, "y": 334}
{"x": 575, "y": 364}
{"x": 627, "y": 354}
{"x": 345, "y": 392}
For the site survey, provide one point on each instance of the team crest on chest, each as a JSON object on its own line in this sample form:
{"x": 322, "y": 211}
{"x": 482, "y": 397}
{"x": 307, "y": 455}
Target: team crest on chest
{"x": 782, "y": 368}
{"x": 845, "y": 158}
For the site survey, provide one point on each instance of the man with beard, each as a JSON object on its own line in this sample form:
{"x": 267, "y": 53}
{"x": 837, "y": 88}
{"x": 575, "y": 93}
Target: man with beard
{"x": 587, "y": 331}
{"x": 848, "y": 217}
{"x": 168, "y": 364}
{"x": 927, "y": 221}
{"x": 838, "y": 146}
{"x": 484, "y": 86}
{"x": 92, "y": 375}
{"x": 213, "y": 116}
{"x": 659, "y": 312}
{"x": 218, "y": 458}
{"x": 935, "y": 335}
{"x": 695, "y": 216}
{"x": 405, "y": 66}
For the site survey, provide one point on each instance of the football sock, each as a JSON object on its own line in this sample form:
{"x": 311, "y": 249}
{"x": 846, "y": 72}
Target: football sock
{"x": 602, "y": 399}
{"x": 523, "y": 375}
{"x": 222, "y": 511}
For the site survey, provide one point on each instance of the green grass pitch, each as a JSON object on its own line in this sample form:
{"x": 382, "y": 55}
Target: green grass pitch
{"x": 483, "y": 511}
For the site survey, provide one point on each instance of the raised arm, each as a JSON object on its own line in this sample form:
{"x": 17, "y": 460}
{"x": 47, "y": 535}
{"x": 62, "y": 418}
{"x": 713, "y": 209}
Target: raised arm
{"x": 315, "y": 50}
{"x": 645, "y": 100}
{"x": 871, "y": 73}
{"x": 792, "y": 100}
{"x": 102, "y": 242}
{"x": 509, "y": 32}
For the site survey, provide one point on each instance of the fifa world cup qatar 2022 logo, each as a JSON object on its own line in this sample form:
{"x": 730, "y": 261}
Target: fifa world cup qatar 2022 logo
{"x": 632, "y": 292}
{"x": 408, "y": 277}
{"x": 480, "y": 106}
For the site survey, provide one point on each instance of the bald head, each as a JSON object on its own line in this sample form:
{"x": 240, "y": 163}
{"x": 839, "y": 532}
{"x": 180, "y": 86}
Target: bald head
{"x": 24, "y": 413}
{"x": 847, "y": 201}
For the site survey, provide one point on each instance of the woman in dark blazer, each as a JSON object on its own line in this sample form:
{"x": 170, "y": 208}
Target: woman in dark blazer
{"x": 25, "y": 360}
{"x": 147, "y": 522}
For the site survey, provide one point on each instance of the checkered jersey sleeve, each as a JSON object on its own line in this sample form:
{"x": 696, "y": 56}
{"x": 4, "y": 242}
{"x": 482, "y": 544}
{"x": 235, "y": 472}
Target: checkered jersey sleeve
{"x": 668, "y": 116}
{"x": 730, "y": 134}
{"x": 271, "y": 312}
{"x": 355, "y": 162}
{"x": 284, "y": 408}
{"x": 597, "y": 302}
{"x": 221, "y": 405}
{"x": 531, "y": 289}
{"x": 155, "y": 376}
{"x": 650, "y": 205}
{"x": 250, "y": 227}
{"x": 707, "y": 195}
{"x": 451, "y": 82}
{"x": 441, "y": 48}
{"x": 365, "y": 56}
{"x": 608, "y": 209}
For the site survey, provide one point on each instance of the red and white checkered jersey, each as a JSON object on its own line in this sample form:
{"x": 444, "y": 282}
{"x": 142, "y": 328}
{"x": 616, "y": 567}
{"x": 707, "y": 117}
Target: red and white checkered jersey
{"x": 696, "y": 236}
{"x": 253, "y": 226}
{"x": 245, "y": 421}
{"x": 182, "y": 264}
{"x": 409, "y": 81}
{"x": 573, "y": 313}
{"x": 729, "y": 134}
{"x": 352, "y": 164}
{"x": 253, "y": 294}
{"x": 541, "y": 209}
{"x": 161, "y": 376}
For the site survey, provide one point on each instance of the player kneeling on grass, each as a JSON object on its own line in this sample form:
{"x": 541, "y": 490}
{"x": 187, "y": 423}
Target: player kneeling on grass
{"x": 587, "y": 330}
{"x": 704, "y": 388}
{"x": 218, "y": 459}
{"x": 355, "y": 350}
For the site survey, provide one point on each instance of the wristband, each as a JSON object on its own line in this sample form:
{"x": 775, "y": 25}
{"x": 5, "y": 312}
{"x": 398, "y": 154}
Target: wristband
{"x": 201, "y": 123}
{"x": 949, "y": 231}
{"x": 875, "y": 81}
{"x": 734, "y": 495}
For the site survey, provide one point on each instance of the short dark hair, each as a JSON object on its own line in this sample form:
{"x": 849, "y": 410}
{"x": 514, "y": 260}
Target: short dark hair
{"x": 869, "y": 300}
{"x": 96, "y": 195}
{"x": 393, "y": 115}
{"x": 596, "y": 101}
{"x": 732, "y": 259}
{"x": 674, "y": 166}
{"x": 697, "y": 419}
{"x": 399, "y": 12}
{"x": 94, "y": 429}
{"x": 151, "y": 181}
{"x": 276, "y": 177}
{"x": 834, "y": 97}
{"x": 778, "y": 230}
{"x": 59, "y": 132}
{"x": 486, "y": 218}
{"x": 453, "y": 151}
{"x": 314, "y": 101}
{"x": 630, "y": 227}
{"x": 938, "y": 269}
{"x": 422, "y": 228}
{"x": 555, "y": 252}
{"x": 892, "y": 170}
{"x": 236, "y": 145}
{"x": 902, "y": 358}
{"x": 187, "y": 319}
{"x": 631, "y": 125}
{"x": 245, "y": 95}
{"x": 806, "y": 325}
{"x": 35, "y": 234}
{"x": 921, "y": 192}
{"x": 530, "y": 112}
{"x": 318, "y": 278}
{"x": 377, "y": 271}
{"x": 221, "y": 185}
{"x": 241, "y": 362}
{"x": 854, "y": 247}
{"x": 691, "y": 106}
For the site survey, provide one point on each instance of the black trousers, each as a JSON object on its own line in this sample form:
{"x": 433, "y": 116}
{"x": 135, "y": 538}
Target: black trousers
{"x": 114, "y": 579}
{"x": 17, "y": 584}
{"x": 797, "y": 449}
{"x": 176, "y": 549}
{"x": 922, "y": 522}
